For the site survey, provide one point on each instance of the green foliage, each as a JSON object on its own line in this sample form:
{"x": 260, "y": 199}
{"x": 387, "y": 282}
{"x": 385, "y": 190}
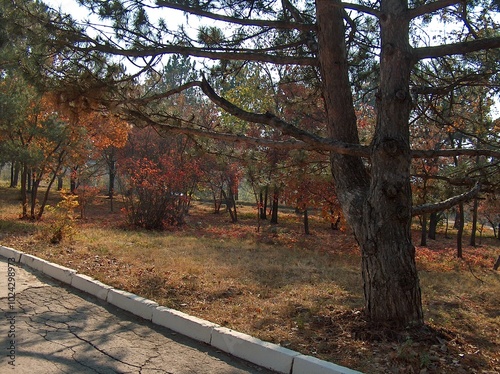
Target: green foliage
{"x": 210, "y": 36}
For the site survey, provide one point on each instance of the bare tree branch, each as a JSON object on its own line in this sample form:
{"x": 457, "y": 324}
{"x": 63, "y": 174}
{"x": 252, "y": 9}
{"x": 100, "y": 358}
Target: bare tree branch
{"x": 446, "y": 204}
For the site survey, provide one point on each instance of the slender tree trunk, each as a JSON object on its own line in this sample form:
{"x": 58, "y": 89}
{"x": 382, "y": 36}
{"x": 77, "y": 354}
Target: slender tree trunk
{"x": 263, "y": 204}
{"x": 14, "y": 174}
{"x": 456, "y": 224}
{"x": 433, "y": 222}
{"x": 460, "y": 229}
{"x": 29, "y": 180}
{"x": 274, "y": 211}
{"x": 266, "y": 198}
{"x": 423, "y": 235}
{"x": 60, "y": 182}
{"x": 33, "y": 196}
{"x": 383, "y": 198}
{"x": 73, "y": 184}
{"x": 474, "y": 223}
{"x": 24, "y": 191}
{"x": 230, "y": 204}
{"x": 46, "y": 197}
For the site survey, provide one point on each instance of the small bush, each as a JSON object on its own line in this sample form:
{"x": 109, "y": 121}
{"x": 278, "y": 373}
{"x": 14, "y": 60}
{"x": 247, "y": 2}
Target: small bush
{"x": 64, "y": 213}
{"x": 158, "y": 192}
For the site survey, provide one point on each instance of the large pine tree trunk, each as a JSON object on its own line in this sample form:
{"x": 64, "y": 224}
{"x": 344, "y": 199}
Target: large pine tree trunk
{"x": 383, "y": 198}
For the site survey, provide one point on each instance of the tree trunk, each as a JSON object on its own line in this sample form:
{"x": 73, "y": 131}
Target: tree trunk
{"x": 456, "y": 224}
{"x": 263, "y": 203}
{"x": 14, "y": 174}
{"x": 230, "y": 204}
{"x": 474, "y": 223}
{"x": 423, "y": 235}
{"x": 433, "y": 222}
{"x": 29, "y": 180}
{"x": 46, "y": 197}
{"x": 24, "y": 191}
{"x": 33, "y": 196}
{"x": 274, "y": 211}
{"x": 73, "y": 182}
{"x": 382, "y": 199}
{"x": 60, "y": 182}
{"x": 112, "y": 178}
{"x": 497, "y": 264}
{"x": 460, "y": 229}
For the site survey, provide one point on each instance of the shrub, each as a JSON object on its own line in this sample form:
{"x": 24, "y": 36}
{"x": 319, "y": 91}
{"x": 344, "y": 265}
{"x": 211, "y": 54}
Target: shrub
{"x": 158, "y": 193}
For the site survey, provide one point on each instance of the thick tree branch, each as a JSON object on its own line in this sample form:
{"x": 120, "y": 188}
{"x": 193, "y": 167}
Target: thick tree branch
{"x": 430, "y": 7}
{"x": 462, "y": 182}
{"x": 222, "y": 54}
{"x": 166, "y": 94}
{"x": 429, "y": 153}
{"x": 446, "y": 204}
{"x": 361, "y": 8}
{"x": 173, "y": 125}
{"x": 456, "y": 48}
{"x": 321, "y": 144}
{"x": 240, "y": 21}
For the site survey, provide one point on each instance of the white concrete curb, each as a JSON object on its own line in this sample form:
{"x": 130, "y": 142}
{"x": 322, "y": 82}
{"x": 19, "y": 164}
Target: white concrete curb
{"x": 61, "y": 273}
{"x": 10, "y": 253}
{"x": 307, "y": 364}
{"x": 193, "y": 327}
{"x": 32, "y": 261}
{"x": 268, "y": 355}
{"x": 132, "y": 303}
{"x": 90, "y": 285}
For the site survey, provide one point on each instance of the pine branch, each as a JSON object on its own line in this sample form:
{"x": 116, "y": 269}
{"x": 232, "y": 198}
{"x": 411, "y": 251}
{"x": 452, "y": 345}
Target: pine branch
{"x": 446, "y": 204}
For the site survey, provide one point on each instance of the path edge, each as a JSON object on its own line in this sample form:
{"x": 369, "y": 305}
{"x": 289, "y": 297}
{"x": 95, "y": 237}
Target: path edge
{"x": 268, "y": 355}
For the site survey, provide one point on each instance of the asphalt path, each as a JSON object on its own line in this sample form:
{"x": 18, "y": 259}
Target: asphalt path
{"x": 48, "y": 327}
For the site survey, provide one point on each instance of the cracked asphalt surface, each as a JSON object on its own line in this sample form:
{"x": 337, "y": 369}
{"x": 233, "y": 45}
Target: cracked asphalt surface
{"x": 61, "y": 330}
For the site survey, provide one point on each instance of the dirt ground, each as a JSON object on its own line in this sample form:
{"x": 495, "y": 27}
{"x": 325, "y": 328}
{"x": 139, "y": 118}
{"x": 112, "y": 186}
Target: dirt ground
{"x": 301, "y": 291}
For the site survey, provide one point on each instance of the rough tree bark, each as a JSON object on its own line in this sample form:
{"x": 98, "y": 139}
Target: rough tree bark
{"x": 383, "y": 198}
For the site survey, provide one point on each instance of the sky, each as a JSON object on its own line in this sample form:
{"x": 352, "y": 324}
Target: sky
{"x": 176, "y": 18}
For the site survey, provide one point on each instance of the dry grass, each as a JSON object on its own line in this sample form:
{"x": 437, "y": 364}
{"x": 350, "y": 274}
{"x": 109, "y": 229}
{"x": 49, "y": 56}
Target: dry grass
{"x": 303, "y": 292}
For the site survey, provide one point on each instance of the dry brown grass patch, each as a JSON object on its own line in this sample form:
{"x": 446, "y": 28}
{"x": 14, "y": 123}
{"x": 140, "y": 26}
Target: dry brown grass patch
{"x": 301, "y": 291}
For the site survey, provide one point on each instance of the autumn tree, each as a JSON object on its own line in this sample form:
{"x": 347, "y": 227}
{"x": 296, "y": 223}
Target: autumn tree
{"x": 330, "y": 38}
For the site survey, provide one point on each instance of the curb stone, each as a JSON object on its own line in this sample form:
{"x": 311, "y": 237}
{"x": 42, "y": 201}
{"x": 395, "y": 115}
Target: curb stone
{"x": 90, "y": 285}
{"x": 193, "y": 327}
{"x": 268, "y": 355}
{"x": 10, "y": 253}
{"x": 256, "y": 351}
{"x": 307, "y": 364}
{"x": 61, "y": 273}
{"x": 132, "y": 303}
{"x": 32, "y": 261}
